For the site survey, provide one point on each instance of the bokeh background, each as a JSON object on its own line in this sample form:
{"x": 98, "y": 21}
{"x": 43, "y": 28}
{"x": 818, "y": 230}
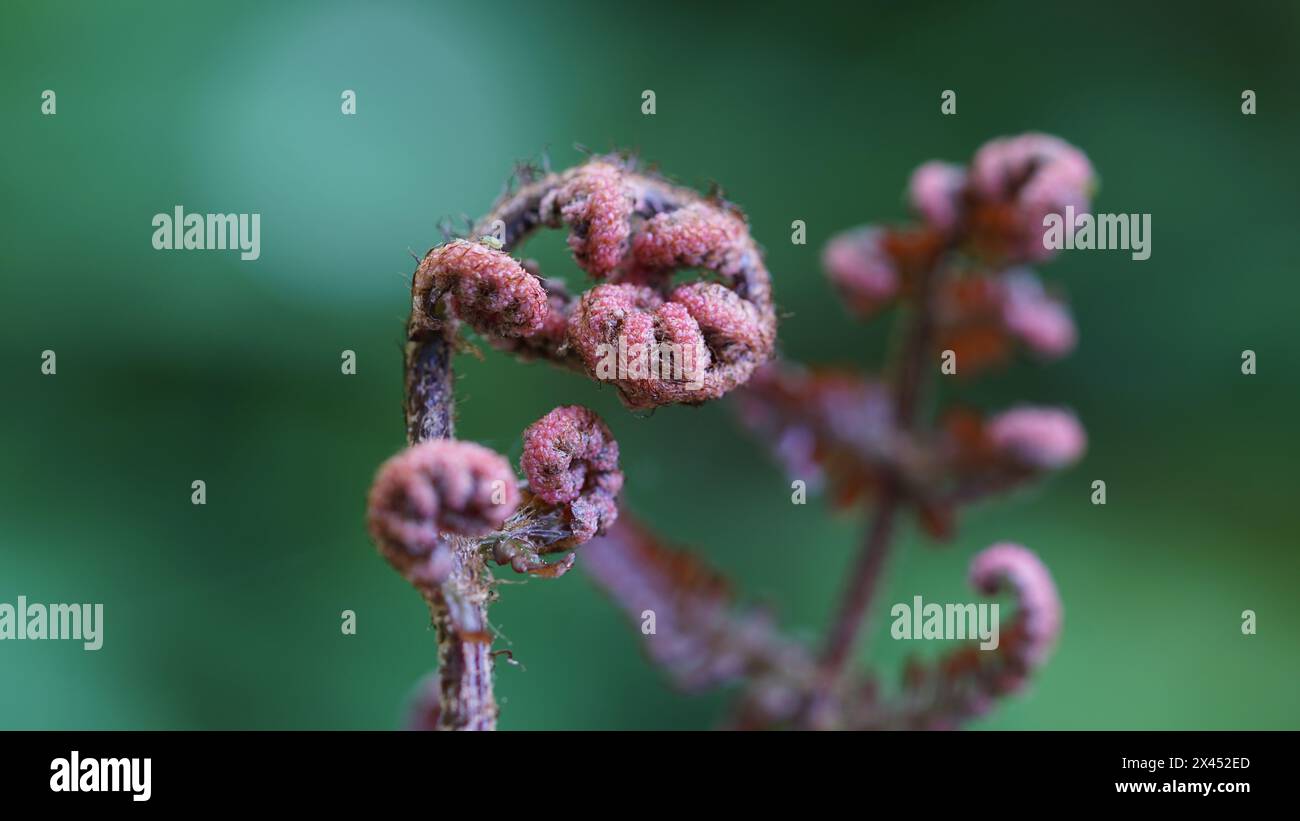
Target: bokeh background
{"x": 177, "y": 366}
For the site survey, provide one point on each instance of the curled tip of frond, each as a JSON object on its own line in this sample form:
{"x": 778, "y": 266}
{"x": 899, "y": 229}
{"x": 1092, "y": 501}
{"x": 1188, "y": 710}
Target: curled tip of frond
{"x": 634, "y": 230}
{"x": 439, "y": 487}
{"x": 1039, "y": 614}
{"x": 967, "y": 682}
{"x": 571, "y": 460}
{"x": 489, "y": 289}
{"x": 1039, "y": 438}
{"x": 597, "y": 205}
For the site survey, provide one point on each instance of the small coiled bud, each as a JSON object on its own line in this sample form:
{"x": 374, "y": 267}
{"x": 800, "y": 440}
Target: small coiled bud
{"x": 1038, "y": 438}
{"x": 861, "y": 270}
{"x": 439, "y": 487}
{"x": 1039, "y": 613}
{"x": 489, "y": 289}
{"x": 597, "y": 205}
{"x": 1032, "y": 175}
{"x": 935, "y": 193}
{"x": 1042, "y": 323}
{"x": 966, "y": 682}
{"x": 571, "y": 459}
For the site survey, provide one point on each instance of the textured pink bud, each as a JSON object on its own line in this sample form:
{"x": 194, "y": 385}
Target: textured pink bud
{"x": 1008, "y": 167}
{"x": 489, "y": 289}
{"x": 570, "y": 458}
{"x": 638, "y": 230}
{"x": 861, "y": 270}
{"x": 675, "y": 325}
{"x": 653, "y": 351}
{"x": 935, "y": 192}
{"x": 439, "y": 486}
{"x": 1042, "y": 323}
{"x": 597, "y": 205}
{"x": 1036, "y": 175}
{"x": 1041, "y": 438}
{"x": 732, "y": 326}
{"x": 606, "y": 311}
{"x": 1038, "y": 619}
{"x": 699, "y": 235}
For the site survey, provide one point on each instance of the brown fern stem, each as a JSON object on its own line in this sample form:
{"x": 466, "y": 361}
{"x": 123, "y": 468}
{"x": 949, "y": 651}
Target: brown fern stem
{"x": 855, "y": 606}
{"x": 458, "y": 606}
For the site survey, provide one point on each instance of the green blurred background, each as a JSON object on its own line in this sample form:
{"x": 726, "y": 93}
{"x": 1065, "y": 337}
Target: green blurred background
{"x": 179, "y": 366}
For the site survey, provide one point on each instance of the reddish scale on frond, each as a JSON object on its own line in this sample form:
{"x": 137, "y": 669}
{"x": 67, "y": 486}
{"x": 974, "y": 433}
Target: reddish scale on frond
{"x": 965, "y": 432}
{"x": 1008, "y": 447}
{"x": 913, "y": 249}
{"x": 956, "y": 464}
{"x": 571, "y": 459}
{"x": 969, "y": 458}
{"x": 981, "y": 316}
{"x": 597, "y": 204}
{"x": 967, "y": 313}
{"x": 489, "y": 289}
{"x": 872, "y": 267}
{"x": 439, "y": 487}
